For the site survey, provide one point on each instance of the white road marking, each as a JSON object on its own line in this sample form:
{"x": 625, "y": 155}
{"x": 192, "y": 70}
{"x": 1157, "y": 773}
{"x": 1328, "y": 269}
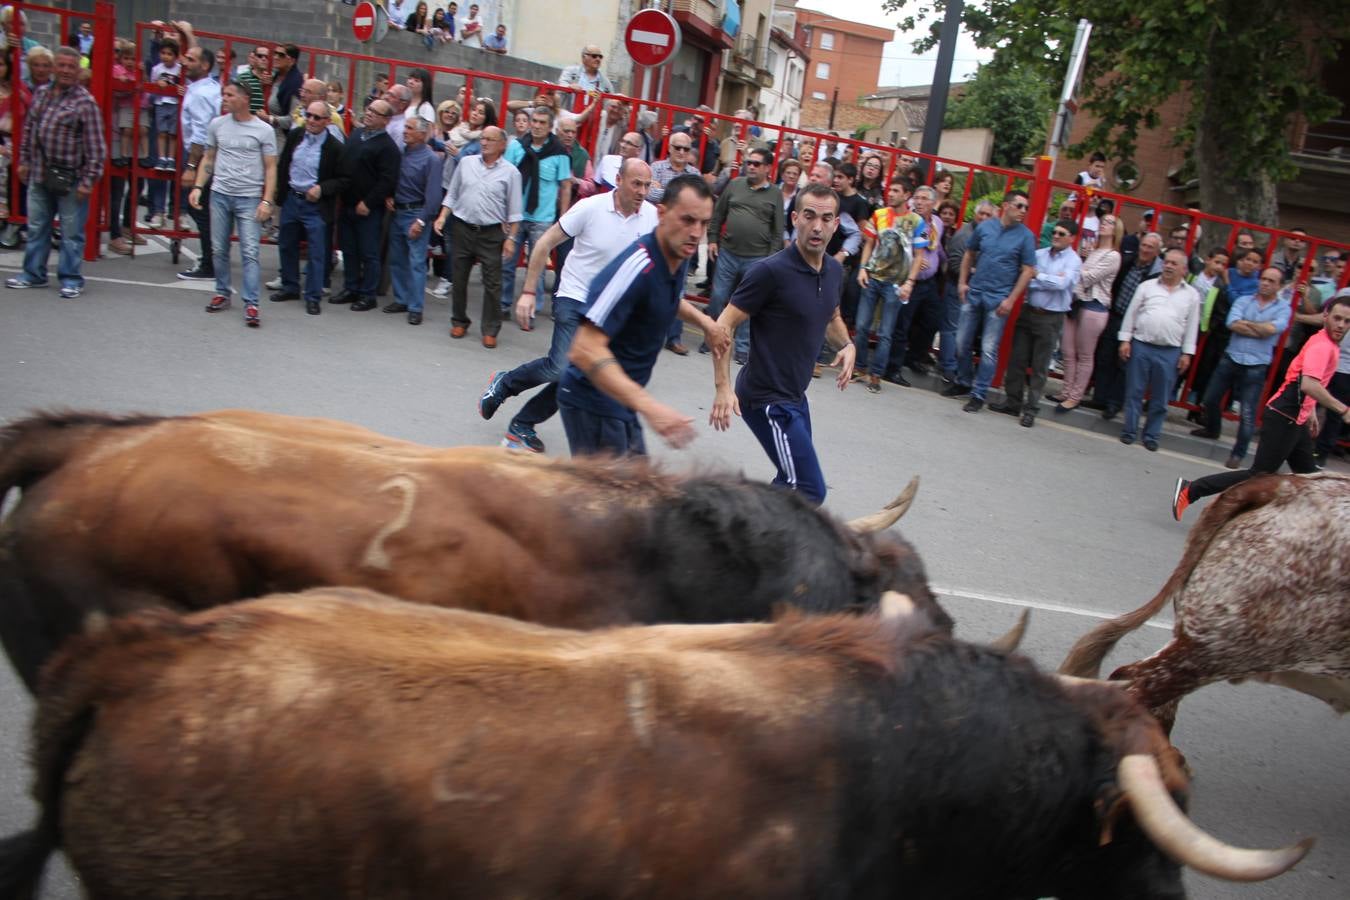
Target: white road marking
{"x": 942, "y": 591}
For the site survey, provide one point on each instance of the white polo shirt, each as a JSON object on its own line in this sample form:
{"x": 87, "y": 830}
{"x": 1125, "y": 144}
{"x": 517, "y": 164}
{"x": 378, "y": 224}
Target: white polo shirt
{"x": 600, "y": 233}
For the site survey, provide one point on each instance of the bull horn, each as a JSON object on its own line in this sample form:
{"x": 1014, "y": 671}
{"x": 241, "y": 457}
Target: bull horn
{"x": 889, "y": 514}
{"x": 1177, "y": 836}
{"x": 895, "y": 604}
{"x": 1013, "y": 639}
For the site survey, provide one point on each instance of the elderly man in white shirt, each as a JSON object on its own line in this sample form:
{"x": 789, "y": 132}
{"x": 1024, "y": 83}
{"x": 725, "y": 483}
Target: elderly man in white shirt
{"x": 1157, "y": 340}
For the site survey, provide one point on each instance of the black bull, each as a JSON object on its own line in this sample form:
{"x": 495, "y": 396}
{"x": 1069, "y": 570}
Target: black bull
{"x": 125, "y": 513}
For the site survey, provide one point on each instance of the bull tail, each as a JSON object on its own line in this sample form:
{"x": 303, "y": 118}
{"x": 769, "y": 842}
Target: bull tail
{"x": 1085, "y": 658}
{"x": 23, "y": 856}
{"x": 32, "y": 448}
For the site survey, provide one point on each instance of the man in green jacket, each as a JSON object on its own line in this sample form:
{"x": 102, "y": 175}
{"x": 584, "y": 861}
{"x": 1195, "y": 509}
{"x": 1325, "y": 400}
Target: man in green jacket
{"x": 747, "y": 225}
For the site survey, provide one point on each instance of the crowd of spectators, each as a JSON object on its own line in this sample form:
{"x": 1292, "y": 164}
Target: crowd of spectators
{"x": 430, "y": 184}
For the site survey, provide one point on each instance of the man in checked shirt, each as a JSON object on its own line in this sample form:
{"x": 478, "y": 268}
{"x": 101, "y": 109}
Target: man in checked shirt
{"x": 63, "y": 130}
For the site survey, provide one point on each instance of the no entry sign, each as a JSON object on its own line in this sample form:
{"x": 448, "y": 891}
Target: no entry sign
{"x": 363, "y": 21}
{"x": 652, "y": 37}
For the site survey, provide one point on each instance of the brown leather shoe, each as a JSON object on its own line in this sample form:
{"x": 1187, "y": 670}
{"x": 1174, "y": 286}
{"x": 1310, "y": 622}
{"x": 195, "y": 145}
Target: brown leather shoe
{"x": 458, "y": 331}
{"x": 490, "y": 341}
{"x": 677, "y": 348}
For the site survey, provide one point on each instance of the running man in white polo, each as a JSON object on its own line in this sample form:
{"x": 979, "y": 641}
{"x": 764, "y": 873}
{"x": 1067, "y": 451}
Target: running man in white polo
{"x": 600, "y": 227}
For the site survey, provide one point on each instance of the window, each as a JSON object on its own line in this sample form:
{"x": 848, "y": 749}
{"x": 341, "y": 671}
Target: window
{"x": 818, "y": 95}
{"x": 822, "y": 70}
{"x": 826, "y": 40}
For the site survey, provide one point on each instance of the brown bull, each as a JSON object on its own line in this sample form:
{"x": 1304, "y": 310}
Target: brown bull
{"x": 342, "y": 744}
{"x": 188, "y": 512}
{"x": 1262, "y": 591}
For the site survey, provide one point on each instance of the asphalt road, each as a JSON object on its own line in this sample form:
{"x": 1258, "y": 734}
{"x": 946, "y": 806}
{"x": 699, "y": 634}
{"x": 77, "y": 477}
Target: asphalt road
{"x": 1065, "y": 521}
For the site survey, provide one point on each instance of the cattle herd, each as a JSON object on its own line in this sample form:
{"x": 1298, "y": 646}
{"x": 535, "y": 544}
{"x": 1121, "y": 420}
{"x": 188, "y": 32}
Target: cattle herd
{"x": 282, "y": 657}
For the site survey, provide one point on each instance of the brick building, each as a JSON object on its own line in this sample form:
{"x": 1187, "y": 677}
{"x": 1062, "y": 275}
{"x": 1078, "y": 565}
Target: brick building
{"x": 845, "y": 57}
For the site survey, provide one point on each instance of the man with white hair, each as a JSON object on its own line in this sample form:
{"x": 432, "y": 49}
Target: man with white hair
{"x": 415, "y": 204}
{"x": 587, "y": 74}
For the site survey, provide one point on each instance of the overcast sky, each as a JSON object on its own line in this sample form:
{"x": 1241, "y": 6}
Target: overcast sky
{"x": 899, "y": 64}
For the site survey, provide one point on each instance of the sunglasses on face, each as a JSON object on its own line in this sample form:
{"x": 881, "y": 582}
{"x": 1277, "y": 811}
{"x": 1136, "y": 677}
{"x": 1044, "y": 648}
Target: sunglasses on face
{"x": 1018, "y": 205}
{"x": 753, "y": 162}
{"x": 683, "y": 148}
{"x": 596, "y": 55}
{"x": 315, "y": 116}
{"x": 281, "y": 54}
{"x": 1059, "y": 232}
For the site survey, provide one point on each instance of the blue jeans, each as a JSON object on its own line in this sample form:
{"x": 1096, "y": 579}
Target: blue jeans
{"x": 530, "y": 233}
{"x": 977, "y": 308}
{"x": 726, "y": 277}
{"x": 300, "y": 218}
{"x": 951, "y": 318}
{"x": 42, "y": 208}
{"x": 589, "y": 433}
{"x": 408, "y": 259}
{"x": 226, "y": 212}
{"x": 1246, "y": 383}
{"x": 545, "y": 370}
{"x": 1153, "y": 368}
{"x": 784, "y": 431}
{"x": 888, "y": 295}
{"x": 360, "y": 239}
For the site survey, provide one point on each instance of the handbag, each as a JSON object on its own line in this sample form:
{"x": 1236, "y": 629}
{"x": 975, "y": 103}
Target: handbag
{"x": 59, "y": 180}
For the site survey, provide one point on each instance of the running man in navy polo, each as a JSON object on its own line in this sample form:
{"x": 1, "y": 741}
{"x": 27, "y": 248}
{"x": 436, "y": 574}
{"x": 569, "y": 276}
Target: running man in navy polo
{"x": 792, "y": 302}
{"x": 630, "y": 308}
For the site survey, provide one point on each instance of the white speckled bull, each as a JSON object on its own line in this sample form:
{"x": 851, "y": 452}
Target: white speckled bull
{"x": 1262, "y": 592}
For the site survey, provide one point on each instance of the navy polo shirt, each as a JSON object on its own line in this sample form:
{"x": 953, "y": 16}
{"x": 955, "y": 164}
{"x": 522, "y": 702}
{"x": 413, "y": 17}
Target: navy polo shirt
{"x": 633, "y": 300}
{"x": 789, "y": 304}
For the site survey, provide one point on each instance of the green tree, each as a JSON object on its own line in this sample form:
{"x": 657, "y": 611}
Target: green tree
{"x": 1246, "y": 69}
{"x": 1014, "y": 103}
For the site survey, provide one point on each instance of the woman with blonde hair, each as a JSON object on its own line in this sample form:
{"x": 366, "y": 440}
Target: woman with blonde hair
{"x": 1086, "y": 321}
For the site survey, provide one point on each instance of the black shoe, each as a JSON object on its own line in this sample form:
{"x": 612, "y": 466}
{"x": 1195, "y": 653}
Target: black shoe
{"x": 1126, "y": 439}
{"x": 365, "y": 304}
{"x": 974, "y": 404}
{"x": 918, "y": 368}
{"x": 1006, "y": 408}
{"x": 198, "y": 273}
{"x": 283, "y": 296}
{"x": 394, "y": 307}
{"x": 956, "y": 389}
{"x": 704, "y": 348}
{"x": 414, "y": 317}
{"x": 1110, "y": 412}
{"x": 1204, "y": 433}
{"x": 312, "y": 307}
{"x": 493, "y": 396}
{"x": 896, "y": 378}
{"x": 741, "y": 358}
{"x": 1150, "y": 445}
{"x": 344, "y": 296}
{"x": 1028, "y": 419}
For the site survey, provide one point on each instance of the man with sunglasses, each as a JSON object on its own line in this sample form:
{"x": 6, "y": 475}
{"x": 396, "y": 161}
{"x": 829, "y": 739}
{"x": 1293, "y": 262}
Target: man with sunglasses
{"x": 1006, "y": 250}
{"x": 308, "y": 184}
{"x": 251, "y": 75}
{"x": 587, "y": 74}
{"x": 747, "y": 226}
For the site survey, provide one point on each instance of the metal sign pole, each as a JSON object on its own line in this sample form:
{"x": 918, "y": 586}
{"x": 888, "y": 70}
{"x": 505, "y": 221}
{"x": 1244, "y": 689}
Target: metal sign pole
{"x": 1063, "y": 124}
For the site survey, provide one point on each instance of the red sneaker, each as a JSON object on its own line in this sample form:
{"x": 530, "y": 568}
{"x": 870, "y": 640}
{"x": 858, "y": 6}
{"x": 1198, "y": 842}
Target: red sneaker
{"x": 251, "y": 316}
{"x": 218, "y": 304}
{"x": 1181, "y": 498}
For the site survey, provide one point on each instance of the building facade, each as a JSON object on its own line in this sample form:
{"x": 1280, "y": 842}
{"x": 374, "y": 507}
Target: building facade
{"x": 845, "y": 66}
{"x": 781, "y": 102}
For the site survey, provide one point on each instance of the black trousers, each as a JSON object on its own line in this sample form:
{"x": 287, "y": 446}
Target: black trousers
{"x": 1282, "y": 440}
{"x": 1035, "y": 336}
{"x": 482, "y": 245}
{"x": 1108, "y": 372}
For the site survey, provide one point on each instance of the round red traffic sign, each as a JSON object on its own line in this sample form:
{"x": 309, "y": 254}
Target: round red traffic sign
{"x": 652, "y": 37}
{"x": 363, "y": 21}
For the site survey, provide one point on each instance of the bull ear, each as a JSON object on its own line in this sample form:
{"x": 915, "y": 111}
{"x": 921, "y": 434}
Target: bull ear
{"x": 889, "y": 514}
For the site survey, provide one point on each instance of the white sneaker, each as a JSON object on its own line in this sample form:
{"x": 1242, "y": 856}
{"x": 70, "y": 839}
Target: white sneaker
{"x": 157, "y": 221}
{"x": 274, "y": 284}
{"x": 442, "y": 289}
